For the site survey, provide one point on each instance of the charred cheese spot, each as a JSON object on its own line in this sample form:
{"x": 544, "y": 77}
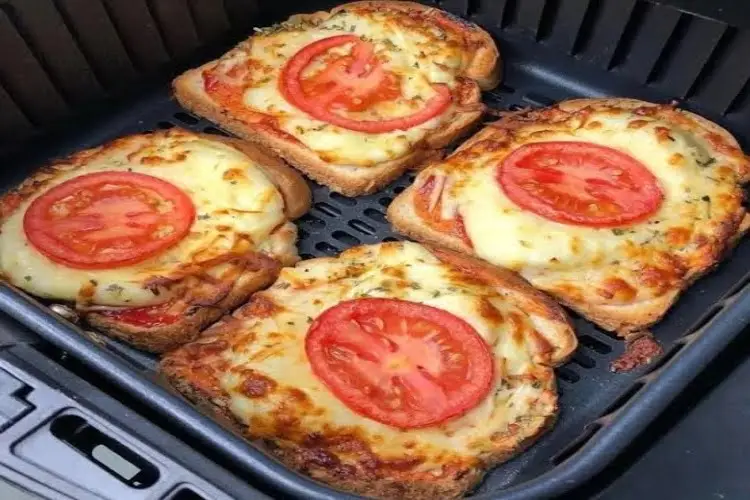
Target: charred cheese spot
{"x": 255, "y": 384}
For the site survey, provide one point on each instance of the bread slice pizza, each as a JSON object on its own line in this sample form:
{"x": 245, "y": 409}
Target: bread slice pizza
{"x": 392, "y": 371}
{"x": 152, "y": 237}
{"x": 614, "y": 206}
{"x": 354, "y": 96}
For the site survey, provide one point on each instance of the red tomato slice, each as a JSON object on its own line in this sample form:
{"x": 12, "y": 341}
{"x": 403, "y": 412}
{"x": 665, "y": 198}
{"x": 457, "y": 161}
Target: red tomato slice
{"x": 147, "y": 317}
{"x": 580, "y": 183}
{"x": 108, "y": 219}
{"x": 354, "y": 82}
{"x": 400, "y": 363}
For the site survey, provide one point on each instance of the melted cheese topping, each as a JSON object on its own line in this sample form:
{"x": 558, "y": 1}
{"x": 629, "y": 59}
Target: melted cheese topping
{"x": 421, "y": 54}
{"x": 237, "y": 208}
{"x": 293, "y": 404}
{"x": 702, "y": 200}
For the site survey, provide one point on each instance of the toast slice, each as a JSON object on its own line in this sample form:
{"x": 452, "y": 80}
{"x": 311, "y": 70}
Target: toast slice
{"x": 420, "y": 48}
{"x": 256, "y": 370}
{"x": 240, "y": 236}
{"x": 623, "y": 277}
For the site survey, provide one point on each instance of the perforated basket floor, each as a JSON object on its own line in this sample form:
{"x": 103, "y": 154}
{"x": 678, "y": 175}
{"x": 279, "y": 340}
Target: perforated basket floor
{"x": 588, "y": 389}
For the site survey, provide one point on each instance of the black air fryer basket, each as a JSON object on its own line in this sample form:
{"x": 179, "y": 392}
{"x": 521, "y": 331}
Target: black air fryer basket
{"x": 74, "y": 73}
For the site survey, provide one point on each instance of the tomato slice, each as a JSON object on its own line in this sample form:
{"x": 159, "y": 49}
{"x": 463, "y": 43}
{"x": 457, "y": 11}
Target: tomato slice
{"x": 580, "y": 183}
{"x": 400, "y": 363}
{"x": 108, "y": 219}
{"x": 422, "y": 201}
{"x": 147, "y": 317}
{"x": 353, "y": 82}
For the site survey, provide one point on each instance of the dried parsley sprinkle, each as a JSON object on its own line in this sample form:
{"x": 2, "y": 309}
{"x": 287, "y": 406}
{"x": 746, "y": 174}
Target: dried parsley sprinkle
{"x": 204, "y": 217}
{"x": 27, "y": 278}
{"x": 618, "y": 232}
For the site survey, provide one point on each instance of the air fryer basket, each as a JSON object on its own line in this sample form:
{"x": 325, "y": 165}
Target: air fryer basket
{"x": 87, "y": 71}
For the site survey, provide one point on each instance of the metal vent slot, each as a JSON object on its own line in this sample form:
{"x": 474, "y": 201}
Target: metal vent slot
{"x": 623, "y": 399}
{"x": 577, "y": 444}
{"x": 600, "y": 42}
{"x": 686, "y": 53}
{"x": 46, "y": 33}
{"x": 210, "y": 19}
{"x": 176, "y": 26}
{"x": 724, "y": 79}
{"x": 98, "y": 40}
{"x": 569, "y": 17}
{"x": 139, "y": 33}
{"x": 23, "y": 77}
{"x": 638, "y": 55}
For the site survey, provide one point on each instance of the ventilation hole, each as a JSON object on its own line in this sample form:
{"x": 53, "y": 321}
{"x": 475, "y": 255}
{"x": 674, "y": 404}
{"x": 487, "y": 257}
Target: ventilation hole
{"x": 328, "y": 209}
{"x": 343, "y": 200}
{"x": 509, "y": 13}
{"x": 312, "y": 221}
{"x": 576, "y": 444}
{"x": 411, "y": 178}
{"x": 738, "y": 287}
{"x": 362, "y": 227}
{"x": 584, "y": 361}
{"x": 345, "y": 237}
{"x": 472, "y": 7}
{"x": 666, "y": 357}
{"x": 594, "y": 344}
{"x": 587, "y": 27}
{"x": 548, "y": 18}
{"x": 538, "y": 100}
{"x": 306, "y": 256}
{"x": 215, "y": 131}
{"x": 623, "y": 398}
{"x": 670, "y": 48}
{"x": 706, "y": 318}
{"x": 389, "y": 239}
{"x": 568, "y": 375}
{"x": 720, "y": 50}
{"x": 302, "y": 234}
{"x": 742, "y": 98}
{"x": 376, "y": 215}
{"x": 385, "y": 201}
{"x": 516, "y": 107}
{"x": 399, "y": 189}
{"x": 326, "y": 248}
{"x": 625, "y": 43}
{"x": 165, "y": 125}
{"x": 186, "y": 118}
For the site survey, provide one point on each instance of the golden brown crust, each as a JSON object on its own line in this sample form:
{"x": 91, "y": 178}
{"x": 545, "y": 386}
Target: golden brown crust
{"x": 295, "y": 191}
{"x": 482, "y": 70}
{"x": 623, "y": 318}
